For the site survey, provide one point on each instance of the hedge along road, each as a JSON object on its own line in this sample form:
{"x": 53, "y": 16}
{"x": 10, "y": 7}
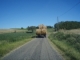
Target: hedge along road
{"x": 37, "y": 49}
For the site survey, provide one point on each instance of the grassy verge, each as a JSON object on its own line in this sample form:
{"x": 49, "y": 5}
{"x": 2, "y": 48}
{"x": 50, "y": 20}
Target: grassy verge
{"x": 9, "y": 41}
{"x": 7, "y": 47}
{"x": 69, "y": 44}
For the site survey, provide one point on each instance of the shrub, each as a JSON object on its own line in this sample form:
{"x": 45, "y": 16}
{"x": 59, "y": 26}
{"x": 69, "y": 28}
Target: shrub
{"x": 68, "y": 43}
{"x": 59, "y": 35}
{"x": 71, "y": 39}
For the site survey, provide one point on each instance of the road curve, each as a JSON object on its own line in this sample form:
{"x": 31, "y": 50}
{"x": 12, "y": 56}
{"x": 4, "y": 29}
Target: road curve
{"x": 37, "y": 49}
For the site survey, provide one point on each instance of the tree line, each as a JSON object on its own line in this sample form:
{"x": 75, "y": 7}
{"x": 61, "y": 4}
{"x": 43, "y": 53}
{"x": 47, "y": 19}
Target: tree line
{"x": 32, "y": 28}
{"x": 35, "y": 27}
{"x": 67, "y": 25}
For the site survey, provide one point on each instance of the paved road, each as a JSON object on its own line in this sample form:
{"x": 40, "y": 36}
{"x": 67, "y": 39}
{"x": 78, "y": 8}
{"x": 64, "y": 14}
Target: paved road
{"x": 37, "y": 49}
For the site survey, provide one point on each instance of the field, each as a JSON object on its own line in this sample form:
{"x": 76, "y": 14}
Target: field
{"x": 75, "y": 31}
{"x": 11, "y": 30}
{"x": 68, "y": 41}
{"x": 10, "y": 40}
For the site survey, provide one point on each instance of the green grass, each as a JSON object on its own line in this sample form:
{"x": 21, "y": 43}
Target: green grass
{"x": 69, "y": 44}
{"x": 9, "y": 41}
{"x": 7, "y": 47}
{"x": 50, "y": 29}
{"x": 12, "y": 37}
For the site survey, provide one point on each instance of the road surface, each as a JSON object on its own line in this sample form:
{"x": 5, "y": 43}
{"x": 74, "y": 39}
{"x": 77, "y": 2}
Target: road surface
{"x": 37, "y": 49}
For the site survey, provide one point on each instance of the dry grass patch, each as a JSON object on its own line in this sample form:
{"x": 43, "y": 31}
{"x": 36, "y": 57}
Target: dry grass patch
{"x": 10, "y": 31}
{"x": 75, "y": 31}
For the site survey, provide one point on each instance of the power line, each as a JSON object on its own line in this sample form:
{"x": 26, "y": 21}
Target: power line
{"x": 70, "y": 9}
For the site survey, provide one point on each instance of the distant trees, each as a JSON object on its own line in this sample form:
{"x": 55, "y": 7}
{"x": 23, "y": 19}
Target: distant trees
{"x": 32, "y": 28}
{"x": 49, "y": 27}
{"x": 67, "y": 25}
{"x": 22, "y": 28}
{"x": 36, "y": 27}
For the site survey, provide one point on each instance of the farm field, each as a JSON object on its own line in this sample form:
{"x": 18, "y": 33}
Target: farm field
{"x": 68, "y": 41}
{"x": 10, "y": 40}
{"x": 11, "y": 30}
{"x": 64, "y": 41}
{"x": 38, "y": 48}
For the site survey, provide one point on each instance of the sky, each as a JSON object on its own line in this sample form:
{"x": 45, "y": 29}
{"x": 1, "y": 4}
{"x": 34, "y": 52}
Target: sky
{"x": 23, "y": 13}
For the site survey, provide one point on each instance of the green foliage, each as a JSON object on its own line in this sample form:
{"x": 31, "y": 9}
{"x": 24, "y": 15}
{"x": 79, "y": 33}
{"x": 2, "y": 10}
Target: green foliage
{"x": 22, "y": 28}
{"x": 50, "y": 30}
{"x": 69, "y": 43}
{"x": 59, "y": 35}
{"x": 36, "y": 27}
{"x": 67, "y": 25}
{"x": 12, "y": 37}
{"x": 49, "y": 27}
{"x": 71, "y": 39}
{"x": 32, "y": 28}
{"x": 9, "y": 41}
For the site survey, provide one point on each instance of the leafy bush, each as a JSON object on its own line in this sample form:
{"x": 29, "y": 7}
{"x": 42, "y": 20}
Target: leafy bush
{"x": 68, "y": 43}
{"x": 71, "y": 39}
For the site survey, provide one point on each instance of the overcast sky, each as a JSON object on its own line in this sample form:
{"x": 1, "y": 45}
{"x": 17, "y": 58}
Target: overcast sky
{"x": 23, "y": 13}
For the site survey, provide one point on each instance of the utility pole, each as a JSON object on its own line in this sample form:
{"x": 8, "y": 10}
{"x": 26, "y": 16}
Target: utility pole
{"x": 58, "y": 23}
